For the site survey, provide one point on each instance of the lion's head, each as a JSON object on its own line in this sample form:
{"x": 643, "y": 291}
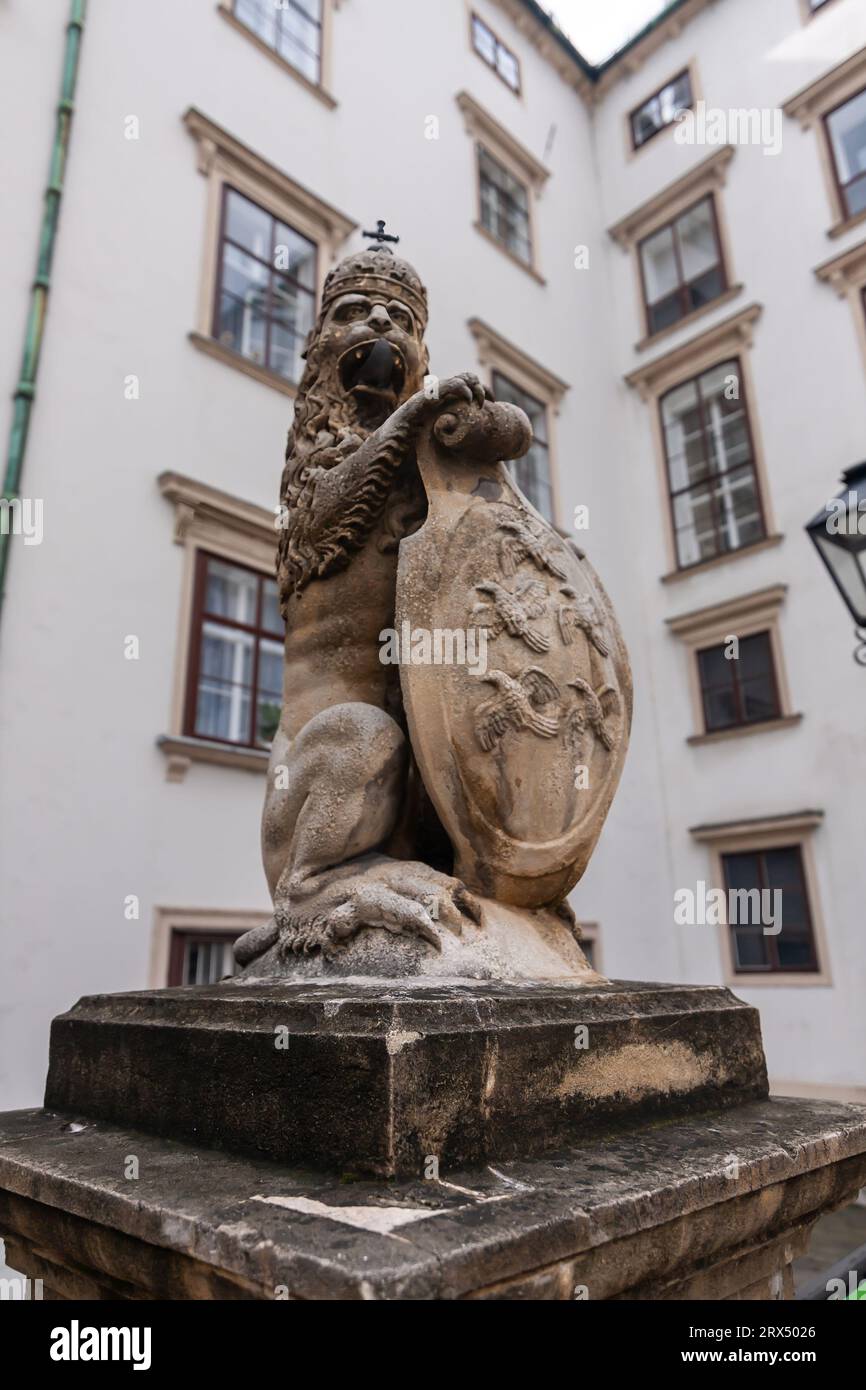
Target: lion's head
{"x": 364, "y": 357}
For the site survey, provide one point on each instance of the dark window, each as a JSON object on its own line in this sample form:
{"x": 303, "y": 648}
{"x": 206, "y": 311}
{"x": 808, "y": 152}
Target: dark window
{"x": 817, "y": 4}
{"x": 504, "y": 206}
{"x": 756, "y": 949}
{"x": 846, "y": 127}
{"x": 661, "y": 109}
{"x": 200, "y": 958}
{"x": 235, "y": 682}
{"x": 715, "y": 501}
{"x": 532, "y": 472}
{"x": 738, "y": 690}
{"x": 266, "y": 291}
{"x": 495, "y": 54}
{"x": 681, "y": 266}
{"x": 293, "y": 29}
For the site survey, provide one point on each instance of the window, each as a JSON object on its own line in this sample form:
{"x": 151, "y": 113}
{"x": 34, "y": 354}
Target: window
{"x": 681, "y": 266}
{"x": 739, "y": 689}
{"x": 266, "y": 293}
{"x": 661, "y": 109}
{"x": 504, "y": 206}
{"x": 201, "y": 958}
{"x": 714, "y": 497}
{"x": 495, "y": 54}
{"x": 816, "y": 4}
{"x": 846, "y": 128}
{"x": 754, "y": 948}
{"x": 293, "y": 29}
{"x": 590, "y": 944}
{"x": 532, "y": 472}
{"x": 234, "y": 688}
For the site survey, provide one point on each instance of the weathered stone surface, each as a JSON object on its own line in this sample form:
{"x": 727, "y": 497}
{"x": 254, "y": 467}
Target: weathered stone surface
{"x": 662, "y": 1212}
{"x": 378, "y": 1080}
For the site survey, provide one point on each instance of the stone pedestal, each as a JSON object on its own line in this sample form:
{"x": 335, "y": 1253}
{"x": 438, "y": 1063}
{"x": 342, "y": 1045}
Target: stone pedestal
{"x": 411, "y": 1140}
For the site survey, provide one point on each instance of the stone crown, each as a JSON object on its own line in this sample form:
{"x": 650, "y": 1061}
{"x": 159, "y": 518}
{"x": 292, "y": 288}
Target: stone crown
{"x": 377, "y": 270}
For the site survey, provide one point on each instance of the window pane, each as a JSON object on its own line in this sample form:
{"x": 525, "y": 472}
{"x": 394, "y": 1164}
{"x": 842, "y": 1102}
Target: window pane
{"x": 646, "y": 121}
{"x": 270, "y": 667}
{"x": 741, "y": 871}
{"x": 699, "y": 249}
{"x": 231, "y": 592}
{"x": 756, "y": 657}
{"x": 759, "y": 700}
{"x": 226, "y": 655}
{"x": 504, "y": 206}
{"x": 847, "y": 128}
{"x": 295, "y": 256}
{"x": 271, "y": 619}
{"x": 484, "y": 41}
{"x": 222, "y": 712}
{"x": 794, "y": 954}
{"x": 750, "y": 949}
{"x": 508, "y": 67}
{"x": 260, "y": 16}
{"x": 248, "y": 224}
{"x": 659, "y": 265}
{"x": 661, "y": 109}
{"x": 784, "y": 866}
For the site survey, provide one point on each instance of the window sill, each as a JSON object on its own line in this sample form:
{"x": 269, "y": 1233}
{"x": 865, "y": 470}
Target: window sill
{"x": 312, "y": 87}
{"x": 515, "y": 260}
{"x": 181, "y": 751}
{"x": 724, "y": 298}
{"x": 765, "y": 726}
{"x": 797, "y": 978}
{"x": 717, "y": 560}
{"x": 212, "y": 348}
{"x": 847, "y": 224}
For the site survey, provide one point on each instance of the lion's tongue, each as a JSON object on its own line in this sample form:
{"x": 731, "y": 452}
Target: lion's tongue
{"x": 378, "y": 367}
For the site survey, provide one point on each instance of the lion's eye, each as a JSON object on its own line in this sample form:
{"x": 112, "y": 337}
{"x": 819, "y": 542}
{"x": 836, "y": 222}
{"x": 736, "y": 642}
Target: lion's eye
{"x": 400, "y": 316}
{"x": 353, "y": 311}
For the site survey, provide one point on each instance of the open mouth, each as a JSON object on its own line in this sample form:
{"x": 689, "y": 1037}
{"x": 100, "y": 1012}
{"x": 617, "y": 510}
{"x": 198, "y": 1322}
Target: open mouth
{"x": 374, "y": 370}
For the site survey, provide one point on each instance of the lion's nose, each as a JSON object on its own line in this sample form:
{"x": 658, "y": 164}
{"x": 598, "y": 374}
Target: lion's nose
{"x": 380, "y": 319}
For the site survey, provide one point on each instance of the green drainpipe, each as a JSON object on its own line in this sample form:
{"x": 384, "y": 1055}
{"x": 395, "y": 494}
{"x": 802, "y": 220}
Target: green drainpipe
{"x": 25, "y": 391}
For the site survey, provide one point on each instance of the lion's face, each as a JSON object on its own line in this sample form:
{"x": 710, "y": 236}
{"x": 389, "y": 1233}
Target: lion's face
{"x": 377, "y": 349}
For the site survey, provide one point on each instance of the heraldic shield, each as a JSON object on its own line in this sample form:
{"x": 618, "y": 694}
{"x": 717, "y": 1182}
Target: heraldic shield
{"x": 515, "y": 677}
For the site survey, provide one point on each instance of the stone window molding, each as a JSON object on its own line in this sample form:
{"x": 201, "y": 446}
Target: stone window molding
{"x": 216, "y": 921}
{"x": 729, "y": 339}
{"x": 497, "y": 354}
{"x": 487, "y": 133}
{"x": 226, "y": 161}
{"x": 320, "y": 89}
{"x": 846, "y": 274}
{"x": 742, "y": 617}
{"x": 205, "y": 518}
{"x": 810, "y": 105}
{"x": 761, "y": 833}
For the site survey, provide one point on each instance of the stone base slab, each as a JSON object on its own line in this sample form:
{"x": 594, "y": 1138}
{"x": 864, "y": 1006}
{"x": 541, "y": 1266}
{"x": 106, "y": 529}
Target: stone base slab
{"x": 379, "y": 1078}
{"x": 705, "y": 1207}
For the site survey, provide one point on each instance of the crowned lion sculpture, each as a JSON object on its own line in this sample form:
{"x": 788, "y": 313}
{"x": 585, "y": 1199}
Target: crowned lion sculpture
{"x": 422, "y": 817}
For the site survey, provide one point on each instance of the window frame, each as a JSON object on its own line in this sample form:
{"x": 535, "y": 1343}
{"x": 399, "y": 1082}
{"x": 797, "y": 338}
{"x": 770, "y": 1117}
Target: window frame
{"x": 810, "y": 106}
{"x": 222, "y": 239}
{"x": 720, "y": 551}
{"x": 774, "y": 968}
{"x": 741, "y": 723}
{"x": 198, "y": 617}
{"x": 497, "y": 372}
{"x": 209, "y": 922}
{"x": 517, "y": 161}
{"x": 179, "y": 940}
{"x": 497, "y": 354}
{"x": 481, "y": 148}
{"x": 683, "y": 285}
{"x": 475, "y": 16}
{"x": 758, "y": 834}
{"x": 841, "y": 187}
{"x": 320, "y": 89}
{"x": 684, "y": 72}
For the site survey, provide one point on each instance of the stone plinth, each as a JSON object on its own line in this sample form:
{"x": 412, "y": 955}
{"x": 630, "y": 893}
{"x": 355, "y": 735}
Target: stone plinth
{"x": 378, "y": 1078}
{"x": 704, "y": 1207}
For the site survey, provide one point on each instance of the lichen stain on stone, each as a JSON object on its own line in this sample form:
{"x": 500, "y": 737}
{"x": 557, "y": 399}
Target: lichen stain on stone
{"x": 637, "y": 1070}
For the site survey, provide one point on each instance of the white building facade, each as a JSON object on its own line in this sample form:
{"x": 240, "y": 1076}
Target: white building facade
{"x": 678, "y": 300}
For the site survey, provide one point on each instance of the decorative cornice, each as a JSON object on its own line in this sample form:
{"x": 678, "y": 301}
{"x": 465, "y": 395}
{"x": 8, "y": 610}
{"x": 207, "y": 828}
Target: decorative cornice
{"x": 498, "y": 351}
{"x": 726, "y": 338}
{"x": 710, "y": 174}
{"x": 845, "y": 271}
{"x": 215, "y": 143}
{"x": 795, "y": 822}
{"x": 728, "y": 613}
{"x": 809, "y": 104}
{"x": 481, "y": 126}
{"x": 198, "y": 505}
